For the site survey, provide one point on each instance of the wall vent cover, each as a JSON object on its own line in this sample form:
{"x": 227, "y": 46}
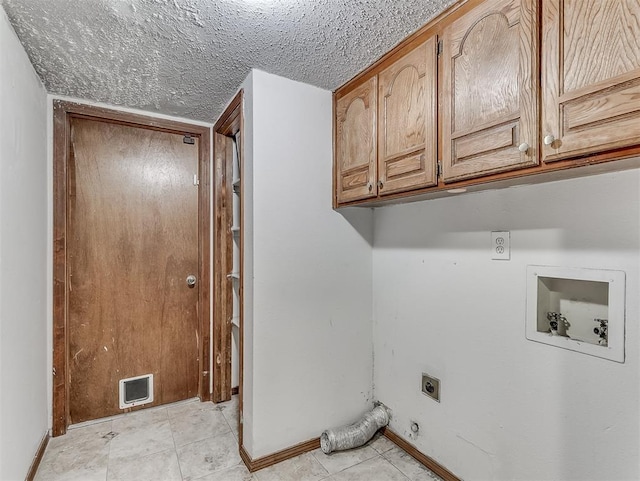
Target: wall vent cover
{"x": 136, "y": 391}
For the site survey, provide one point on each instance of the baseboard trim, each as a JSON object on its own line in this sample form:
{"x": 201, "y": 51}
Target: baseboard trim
{"x": 275, "y": 458}
{"x": 35, "y": 464}
{"x": 423, "y": 459}
{"x": 288, "y": 453}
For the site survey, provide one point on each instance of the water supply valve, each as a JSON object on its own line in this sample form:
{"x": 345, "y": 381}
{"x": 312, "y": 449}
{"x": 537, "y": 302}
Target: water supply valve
{"x": 602, "y": 331}
{"x": 556, "y": 320}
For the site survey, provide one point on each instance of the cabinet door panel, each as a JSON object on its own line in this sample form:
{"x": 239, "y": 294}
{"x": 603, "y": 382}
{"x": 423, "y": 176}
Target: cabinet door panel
{"x": 408, "y": 125}
{"x": 356, "y": 143}
{"x": 591, "y": 76}
{"x": 489, "y": 101}
{"x": 405, "y": 166}
{"x": 601, "y": 40}
{"x": 487, "y": 142}
{"x": 606, "y": 106}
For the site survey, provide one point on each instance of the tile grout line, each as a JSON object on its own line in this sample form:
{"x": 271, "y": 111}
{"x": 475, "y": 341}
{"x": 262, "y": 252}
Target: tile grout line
{"x": 230, "y": 427}
{"x": 393, "y": 465}
{"x": 117, "y": 417}
{"x": 313, "y": 453}
{"x": 106, "y": 474}
{"x": 205, "y": 439}
{"x": 326, "y": 478}
{"x": 322, "y": 466}
{"x": 235, "y": 435}
{"x": 175, "y": 446}
{"x": 430, "y": 473}
{"x": 377, "y": 455}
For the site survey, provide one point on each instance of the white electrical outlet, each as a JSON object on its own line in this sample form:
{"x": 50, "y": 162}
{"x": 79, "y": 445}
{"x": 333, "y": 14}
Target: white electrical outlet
{"x": 501, "y": 245}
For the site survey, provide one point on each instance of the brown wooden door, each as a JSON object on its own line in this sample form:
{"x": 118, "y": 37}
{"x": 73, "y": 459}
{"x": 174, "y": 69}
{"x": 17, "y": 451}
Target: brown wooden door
{"x": 407, "y": 132}
{"x": 489, "y": 90}
{"x": 356, "y": 144}
{"x": 132, "y": 241}
{"x": 591, "y": 76}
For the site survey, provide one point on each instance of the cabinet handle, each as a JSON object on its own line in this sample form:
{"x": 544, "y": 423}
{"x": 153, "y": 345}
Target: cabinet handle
{"x": 380, "y": 184}
{"x": 523, "y": 147}
{"x": 370, "y": 186}
{"x": 548, "y": 139}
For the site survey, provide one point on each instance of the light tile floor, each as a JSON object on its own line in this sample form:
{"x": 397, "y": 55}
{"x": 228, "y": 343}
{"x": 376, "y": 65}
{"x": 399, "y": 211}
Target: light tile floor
{"x": 198, "y": 441}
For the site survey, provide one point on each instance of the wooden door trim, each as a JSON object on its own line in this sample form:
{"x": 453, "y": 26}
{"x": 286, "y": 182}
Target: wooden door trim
{"x": 63, "y": 112}
{"x": 230, "y": 123}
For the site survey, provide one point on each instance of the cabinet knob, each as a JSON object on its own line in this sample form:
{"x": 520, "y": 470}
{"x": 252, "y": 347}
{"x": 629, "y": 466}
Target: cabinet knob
{"x": 380, "y": 184}
{"x": 523, "y": 147}
{"x": 548, "y": 139}
{"x": 370, "y": 186}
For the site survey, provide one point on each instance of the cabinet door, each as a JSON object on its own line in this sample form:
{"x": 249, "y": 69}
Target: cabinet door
{"x": 591, "y": 76}
{"x": 356, "y": 144}
{"x": 407, "y": 140}
{"x": 489, "y": 90}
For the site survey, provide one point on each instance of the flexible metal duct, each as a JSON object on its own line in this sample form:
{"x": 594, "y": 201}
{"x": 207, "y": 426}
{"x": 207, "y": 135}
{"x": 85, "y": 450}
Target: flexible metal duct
{"x": 356, "y": 434}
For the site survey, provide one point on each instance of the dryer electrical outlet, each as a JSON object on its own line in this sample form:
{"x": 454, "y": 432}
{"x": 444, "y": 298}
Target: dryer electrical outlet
{"x": 431, "y": 386}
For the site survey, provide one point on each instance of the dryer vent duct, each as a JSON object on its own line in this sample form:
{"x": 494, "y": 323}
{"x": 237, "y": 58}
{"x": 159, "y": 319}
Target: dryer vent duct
{"x": 356, "y": 434}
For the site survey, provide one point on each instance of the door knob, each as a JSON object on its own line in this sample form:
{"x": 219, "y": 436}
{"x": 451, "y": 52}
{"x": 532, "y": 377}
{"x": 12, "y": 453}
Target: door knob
{"x": 191, "y": 280}
{"x": 523, "y": 147}
{"x": 548, "y": 139}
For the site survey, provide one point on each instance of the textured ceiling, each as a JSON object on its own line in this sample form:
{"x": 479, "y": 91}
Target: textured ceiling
{"x": 188, "y": 57}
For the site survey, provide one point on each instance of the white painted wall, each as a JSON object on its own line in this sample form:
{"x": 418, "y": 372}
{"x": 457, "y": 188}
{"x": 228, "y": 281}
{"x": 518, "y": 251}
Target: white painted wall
{"x": 308, "y": 331}
{"x": 23, "y": 255}
{"x": 511, "y": 409}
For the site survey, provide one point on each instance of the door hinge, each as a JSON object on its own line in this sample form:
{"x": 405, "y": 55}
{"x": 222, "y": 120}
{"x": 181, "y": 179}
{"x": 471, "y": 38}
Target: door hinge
{"x": 439, "y": 48}
{"x": 196, "y": 181}
{"x": 187, "y": 139}
{"x": 439, "y": 169}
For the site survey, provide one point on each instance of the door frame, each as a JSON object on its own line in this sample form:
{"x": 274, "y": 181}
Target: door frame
{"x": 63, "y": 112}
{"x": 229, "y": 124}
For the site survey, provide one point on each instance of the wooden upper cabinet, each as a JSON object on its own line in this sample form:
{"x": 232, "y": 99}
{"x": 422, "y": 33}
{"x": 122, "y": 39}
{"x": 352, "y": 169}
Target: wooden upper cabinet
{"x": 356, "y": 144}
{"x": 590, "y": 76}
{"x": 489, "y": 90}
{"x": 407, "y": 121}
